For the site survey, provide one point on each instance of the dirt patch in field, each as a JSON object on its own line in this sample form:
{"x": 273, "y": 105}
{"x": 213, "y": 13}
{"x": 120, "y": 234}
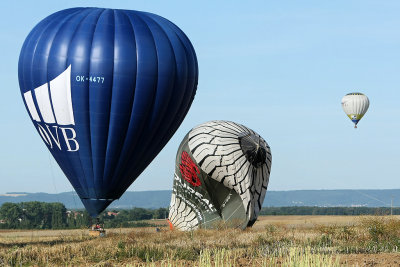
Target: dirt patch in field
{"x": 369, "y": 260}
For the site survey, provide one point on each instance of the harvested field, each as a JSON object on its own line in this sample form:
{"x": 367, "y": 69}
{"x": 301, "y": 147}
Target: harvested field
{"x": 307, "y": 221}
{"x": 273, "y": 241}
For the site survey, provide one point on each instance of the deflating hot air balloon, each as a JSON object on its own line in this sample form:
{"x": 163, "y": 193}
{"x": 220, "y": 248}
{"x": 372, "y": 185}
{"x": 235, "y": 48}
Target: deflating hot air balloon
{"x": 106, "y": 89}
{"x": 221, "y": 176}
{"x": 355, "y": 105}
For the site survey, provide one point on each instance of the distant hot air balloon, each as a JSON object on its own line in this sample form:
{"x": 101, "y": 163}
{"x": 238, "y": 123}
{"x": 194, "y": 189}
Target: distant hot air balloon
{"x": 221, "y": 175}
{"x": 355, "y": 105}
{"x": 106, "y": 89}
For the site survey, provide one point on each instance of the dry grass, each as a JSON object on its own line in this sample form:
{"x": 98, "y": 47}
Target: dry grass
{"x": 308, "y": 220}
{"x": 274, "y": 241}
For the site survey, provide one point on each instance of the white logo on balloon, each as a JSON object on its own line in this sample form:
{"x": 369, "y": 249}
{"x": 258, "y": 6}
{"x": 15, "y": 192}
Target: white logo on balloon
{"x": 58, "y": 111}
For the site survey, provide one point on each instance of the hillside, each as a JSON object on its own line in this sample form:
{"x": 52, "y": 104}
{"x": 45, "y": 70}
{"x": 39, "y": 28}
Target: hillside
{"x": 161, "y": 198}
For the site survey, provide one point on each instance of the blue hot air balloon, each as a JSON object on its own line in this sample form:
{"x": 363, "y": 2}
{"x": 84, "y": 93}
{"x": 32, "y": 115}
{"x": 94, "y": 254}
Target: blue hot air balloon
{"x": 106, "y": 89}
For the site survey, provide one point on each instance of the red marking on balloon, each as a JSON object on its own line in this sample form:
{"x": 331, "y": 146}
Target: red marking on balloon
{"x": 171, "y": 226}
{"x": 189, "y": 170}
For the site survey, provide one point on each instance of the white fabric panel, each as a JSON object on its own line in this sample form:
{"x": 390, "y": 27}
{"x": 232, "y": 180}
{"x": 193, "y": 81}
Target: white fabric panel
{"x": 355, "y": 104}
{"x": 43, "y": 101}
{"x": 60, "y": 89}
{"x": 31, "y": 106}
{"x": 181, "y": 215}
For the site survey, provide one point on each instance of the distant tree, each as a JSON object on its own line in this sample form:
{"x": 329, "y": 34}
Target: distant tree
{"x": 138, "y": 214}
{"x": 36, "y": 214}
{"x": 82, "y": 219}
{"x": 160, "y": 213}
{"x": 71, "y": 224}
{"x": 87, "y": 220}
{"x": 58, "y": 218}
{"x": 12, "y": 214}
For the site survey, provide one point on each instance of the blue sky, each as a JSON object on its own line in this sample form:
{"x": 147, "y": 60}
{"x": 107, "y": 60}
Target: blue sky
{"x": 278, "y": 67}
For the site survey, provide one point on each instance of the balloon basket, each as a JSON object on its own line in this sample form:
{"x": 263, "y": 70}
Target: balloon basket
{"x": 97, "y": 229}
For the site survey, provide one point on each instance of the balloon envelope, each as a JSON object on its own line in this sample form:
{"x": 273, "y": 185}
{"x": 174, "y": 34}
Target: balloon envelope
{"x": 355, "y": 105}
{"x": 106, "y": 89}
{"x": 221, "y": 175}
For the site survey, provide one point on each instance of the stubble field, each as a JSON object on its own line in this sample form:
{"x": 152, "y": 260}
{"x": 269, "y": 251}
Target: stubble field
{"x": 273, "y": 241}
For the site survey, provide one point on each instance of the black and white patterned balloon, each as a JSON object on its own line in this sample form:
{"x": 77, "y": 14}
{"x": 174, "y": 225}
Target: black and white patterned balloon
{"x": 221, "y": 176}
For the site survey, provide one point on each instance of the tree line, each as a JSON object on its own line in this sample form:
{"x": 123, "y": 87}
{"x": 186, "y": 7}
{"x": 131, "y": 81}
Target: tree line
{"x": 43, "y": 215}
{"x": 132, "y": 217}
{"x": 40, "y": 215}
